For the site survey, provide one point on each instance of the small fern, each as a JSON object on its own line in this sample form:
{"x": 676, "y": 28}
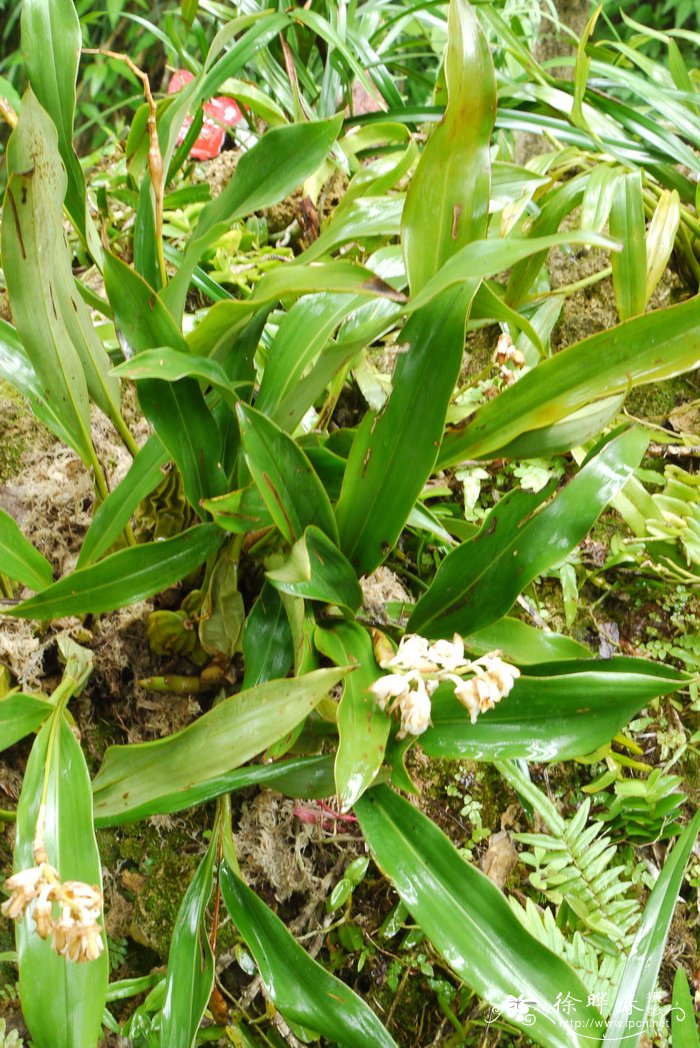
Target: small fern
{"x": 644, "y": 810}
{"x": 600, "y": 974}
{"x": 573, "y": 864}
{"x": 11, "y": 1039}
{"x": 9, "y": 993}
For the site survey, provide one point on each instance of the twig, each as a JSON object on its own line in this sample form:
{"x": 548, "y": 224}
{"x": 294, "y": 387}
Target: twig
{"x": 155, "y": 158}
{"x": 674, "y": 450}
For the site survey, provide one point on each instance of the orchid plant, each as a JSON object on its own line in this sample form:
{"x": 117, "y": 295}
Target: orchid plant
{"x": 286, "y": 504}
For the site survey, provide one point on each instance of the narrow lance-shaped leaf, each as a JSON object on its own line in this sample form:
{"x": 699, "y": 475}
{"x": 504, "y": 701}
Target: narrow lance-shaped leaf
{"x": 124, "y": 577}
{"x": 190, "y": 976}
{"x": 115, "y": 512}
{"x": 479, "y": 581}
{"x": 555, "y": 711}
{"x": 469, "y": 922}
{"x": 661, "y": 238}
{"x": 684, "y": 1032}
{"x": 62, "y": 1001}
{"x": 38, "y": 219}
{"x": 19, "y": 559}
{"x": 394, "y": 452}
{"x": 300, "y": 777}
{"x": 629, "y": 266}
{"x": 362, "y": 726}
{"x": 640, "y": 973}
{"x": 266, "y": 174}
{"x": 284, "y": 477}
{"x": 447, "y": 202}
{"x": 177, "y": 410}
{"x": 645, "y": 349}
{"x": 171, "y": 365}
{"x": 268, "y": 648}
{"x": 302, "y": 990}
{"x": 287, "y": 281}
{"x": 32, "y": 246}
{"x": 140, "y": 779}
{"x": 51, "y": 42}
{"x": 317, "y": 570}
{"x": 17, "y": 369}
{"x": 19, "y": 715}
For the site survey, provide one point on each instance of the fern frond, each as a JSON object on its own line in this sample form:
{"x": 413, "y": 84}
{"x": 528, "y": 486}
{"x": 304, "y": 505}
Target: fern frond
{"x": 600, "y": 974}
{"x": 575, "y": 866}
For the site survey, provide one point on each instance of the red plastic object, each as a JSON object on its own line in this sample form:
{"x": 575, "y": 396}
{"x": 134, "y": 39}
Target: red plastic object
{"x": 220, "y": 114}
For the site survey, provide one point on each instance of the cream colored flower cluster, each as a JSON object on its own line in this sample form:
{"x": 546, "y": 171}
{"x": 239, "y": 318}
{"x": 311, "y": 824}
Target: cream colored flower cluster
{"x": 420, "y": 666}
{"x": 76, "y": 934}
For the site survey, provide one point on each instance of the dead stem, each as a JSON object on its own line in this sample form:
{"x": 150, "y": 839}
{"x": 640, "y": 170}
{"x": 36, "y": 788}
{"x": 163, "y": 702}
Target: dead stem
{"x": 155, "y": 158}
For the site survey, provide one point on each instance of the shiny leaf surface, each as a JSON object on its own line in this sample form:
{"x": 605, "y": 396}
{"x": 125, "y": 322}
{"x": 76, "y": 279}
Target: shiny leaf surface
{"x": 555, "y": 711}
{"x": 317, "y": 570}
{"x": 135, "y": 781}
{"x": 284, "y": 477}
{"x": 645, "y": 349}
{"x": 123, "y": 577}
{"x": 469, "y": 922}
{"x": 299, "y": 987}
{"x": 644, "y": 959}
{"x": 362, "y": 726}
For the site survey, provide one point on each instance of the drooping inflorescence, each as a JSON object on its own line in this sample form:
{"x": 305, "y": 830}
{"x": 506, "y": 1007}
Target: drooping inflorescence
{"x": 419, "y": 667}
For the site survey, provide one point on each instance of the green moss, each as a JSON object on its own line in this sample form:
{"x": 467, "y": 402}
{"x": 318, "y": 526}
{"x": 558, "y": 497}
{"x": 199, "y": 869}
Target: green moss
{"x": 658, "y": 399}
{"x": 19, "y": 431}
{"x": 166, "y": 863}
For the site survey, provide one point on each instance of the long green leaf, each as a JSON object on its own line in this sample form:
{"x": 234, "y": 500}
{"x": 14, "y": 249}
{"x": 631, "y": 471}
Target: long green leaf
{"x": 17, "y": 369}
{"x": 447, "y": 203}
{"x": 394, "y": 452}
{"x": 633, "y": 997}
{"x": 317, "y": 570}
{"x": 19, "y": 559}
{"x": 51, "y": 42}
{"x": 362, "y": 726}
{"x": 134, "y": 781}
{"x": 661, "y": 239}
{"x": 284, "y": 477}
{"x": 629, "y": 266}
{"x": 555, "y": 711}
{"x": 170, "y": 365}
{"x": 35, "y": 203}
{"x": 177, "y": 410}
{"x": 470, "y": 923}
{"x": 266, "y": 174}
{"x": 305, "y": 777}
{"x": 524, "y": 644}
{"x": 115, "y": 512}
{"x": 684, "y": 1031}
{"x": 479, "y": 581}
{"x": 62, "y": 1002}
{"x": 644, "y": 349}
{"x": 33, "y": 251}
{"x": 268, "y": 649}
{"x": 124, "y": 577}
{"x": 190, "y": 977}
{"x": 290, "y": 280}
{"x": 19, "y": 715}
{"x": 298, "y": 986}
{"x": 485, "y": 257}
